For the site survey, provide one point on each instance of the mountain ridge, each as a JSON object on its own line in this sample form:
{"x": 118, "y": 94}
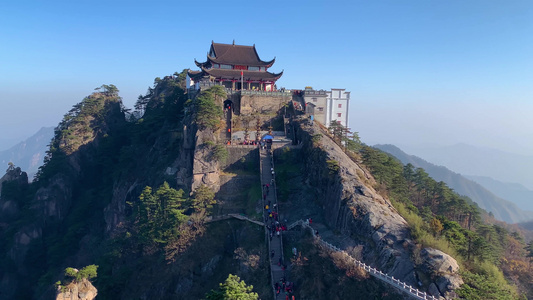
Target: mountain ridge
{"x": 514, "y": 192}
{"x": 29, "y": 154}
{"x": 501, "y": 208}
{"x": 479, "y": 161}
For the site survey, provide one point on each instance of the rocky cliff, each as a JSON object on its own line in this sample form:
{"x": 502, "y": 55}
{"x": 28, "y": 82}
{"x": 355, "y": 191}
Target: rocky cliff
{"x": 59, "y": 198}
{"x": 80, "y": 210}
{"x": 344, "y": 189}
{"x": 83, "y": 290}
{"x": 12, "y": 184}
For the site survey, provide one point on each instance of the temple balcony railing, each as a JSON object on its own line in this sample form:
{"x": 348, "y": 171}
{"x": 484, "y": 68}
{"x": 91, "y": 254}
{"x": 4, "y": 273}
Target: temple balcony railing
{"x": 266, "y": 93}
{"x": 202, "y": 85}
{"x": 208, "y": 84}
{"x": 314, "y": 93}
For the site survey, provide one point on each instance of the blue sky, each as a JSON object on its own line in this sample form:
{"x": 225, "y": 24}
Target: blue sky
{"x": 420, "y": 72}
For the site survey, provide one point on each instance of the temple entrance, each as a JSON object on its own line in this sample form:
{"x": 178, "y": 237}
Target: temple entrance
{"x": 228, "y": 104}
{"x": 228, "y": 111}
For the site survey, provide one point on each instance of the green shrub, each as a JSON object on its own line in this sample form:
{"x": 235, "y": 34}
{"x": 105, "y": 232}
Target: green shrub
{"x": 316, "y": 138}
{"x": 333, "y": 166}
{"x": 87, "y": 272}
{"x": 207, "y": 113}
{"x": 487, "y": 284}
{"x": 219, "y": 153}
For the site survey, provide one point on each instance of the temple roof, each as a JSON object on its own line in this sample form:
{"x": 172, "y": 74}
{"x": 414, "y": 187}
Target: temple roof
{"x": 231, "y": 54}
{"x": 232, "y": 74}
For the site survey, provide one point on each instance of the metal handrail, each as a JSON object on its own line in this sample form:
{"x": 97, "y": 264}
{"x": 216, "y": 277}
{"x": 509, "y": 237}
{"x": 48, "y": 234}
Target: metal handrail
{"x": 402, "y": 286}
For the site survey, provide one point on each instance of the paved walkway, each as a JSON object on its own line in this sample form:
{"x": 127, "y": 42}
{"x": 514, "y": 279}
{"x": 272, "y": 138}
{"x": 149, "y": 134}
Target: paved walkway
{"x": 275, "y": 245}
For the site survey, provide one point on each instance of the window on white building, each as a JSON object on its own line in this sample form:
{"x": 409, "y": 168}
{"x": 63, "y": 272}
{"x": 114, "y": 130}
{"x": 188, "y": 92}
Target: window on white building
{"x": 320, "y": 109}
{"x": 340, "y": 105}
{"x": 314, "y": 99}
{"x": 339, "y": 115}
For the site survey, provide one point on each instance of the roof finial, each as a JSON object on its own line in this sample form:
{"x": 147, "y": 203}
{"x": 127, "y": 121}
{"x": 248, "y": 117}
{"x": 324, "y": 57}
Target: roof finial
{"x": 234, "y": 42}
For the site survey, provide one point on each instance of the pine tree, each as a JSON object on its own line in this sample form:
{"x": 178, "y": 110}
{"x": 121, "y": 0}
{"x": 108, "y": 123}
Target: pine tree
{"x": 233, "y": 289}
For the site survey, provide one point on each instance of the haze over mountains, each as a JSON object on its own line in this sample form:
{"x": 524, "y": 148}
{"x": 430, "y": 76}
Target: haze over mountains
{"x": 503, "y": 209}
{"x": 29, "y": 154}
{"x": 479, "y": 161}
{"x": 514, "y": 192}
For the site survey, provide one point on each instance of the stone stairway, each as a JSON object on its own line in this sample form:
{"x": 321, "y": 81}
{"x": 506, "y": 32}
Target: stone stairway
{"x": 275, "y": 244}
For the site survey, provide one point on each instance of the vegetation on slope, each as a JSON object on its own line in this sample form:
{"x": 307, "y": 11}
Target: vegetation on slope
{"x": 493, "y": 259}
{"x": 233, "y": 289}
{"x": 94, "y": 151}
{"x": 321, "y": 274}
{"x": 206, "y": 112}
{"x": 500, "y": 208}
{"x": 440, "y": 218}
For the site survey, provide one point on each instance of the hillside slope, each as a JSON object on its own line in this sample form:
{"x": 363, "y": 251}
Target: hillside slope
{"x": 502, "y": 209}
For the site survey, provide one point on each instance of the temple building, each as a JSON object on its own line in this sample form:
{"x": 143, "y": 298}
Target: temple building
{"x": 252, "y": 96}
{"x": 236, "y": 67}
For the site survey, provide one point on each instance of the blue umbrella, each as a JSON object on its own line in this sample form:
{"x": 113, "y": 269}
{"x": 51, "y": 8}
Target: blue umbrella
{"x": 268, "y": 137}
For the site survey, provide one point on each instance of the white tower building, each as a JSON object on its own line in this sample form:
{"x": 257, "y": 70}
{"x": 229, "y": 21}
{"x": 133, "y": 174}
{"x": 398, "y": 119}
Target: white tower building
{"x": 337, "y": 101}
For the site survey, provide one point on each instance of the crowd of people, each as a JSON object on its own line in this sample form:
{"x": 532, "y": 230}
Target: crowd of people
{"x": 286, "y": 287}
{"x": 261, "y": 143}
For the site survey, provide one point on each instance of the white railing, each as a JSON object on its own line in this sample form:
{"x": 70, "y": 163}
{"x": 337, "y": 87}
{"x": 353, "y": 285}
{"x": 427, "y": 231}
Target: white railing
{"x": 402, "y": 286}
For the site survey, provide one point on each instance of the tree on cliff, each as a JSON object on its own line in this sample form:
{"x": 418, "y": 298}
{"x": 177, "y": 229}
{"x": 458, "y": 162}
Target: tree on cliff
{"x": 203, "y": 198}
{"x": 157, "y": 215}
{"x": 207, "y": 113}
{"x": 88, "y": 272}
{"x": 233, "y": 289}
{"x": 344, "y": 137}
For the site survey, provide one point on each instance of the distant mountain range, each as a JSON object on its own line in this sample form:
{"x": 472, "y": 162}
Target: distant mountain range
{"x": 479, "y": 161}
{"x": 29, "y": 154}
{"x": 514, "y": 192}
{"x": 502, "y": 209}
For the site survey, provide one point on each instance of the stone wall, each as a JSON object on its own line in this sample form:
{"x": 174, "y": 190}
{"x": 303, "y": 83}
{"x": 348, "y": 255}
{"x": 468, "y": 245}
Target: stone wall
{"x": 258, "y": 104}
{"x": 240, "y": 154}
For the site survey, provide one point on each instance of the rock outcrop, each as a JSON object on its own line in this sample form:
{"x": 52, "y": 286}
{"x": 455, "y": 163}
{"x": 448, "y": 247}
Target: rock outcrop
{"x": 443, "y": 269}
{"x": 83, "y": 290}
{"x": 205, "y": 166}
{"x": 353, "y": 207}
{"x": 17, "y": 181}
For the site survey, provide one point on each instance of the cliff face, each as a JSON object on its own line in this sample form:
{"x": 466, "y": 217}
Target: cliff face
{"x": 58, "y": 200}
{"x": 79, "y": 211}
{"x": 352, "y": 207}
{"x": 205, "y": 169}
